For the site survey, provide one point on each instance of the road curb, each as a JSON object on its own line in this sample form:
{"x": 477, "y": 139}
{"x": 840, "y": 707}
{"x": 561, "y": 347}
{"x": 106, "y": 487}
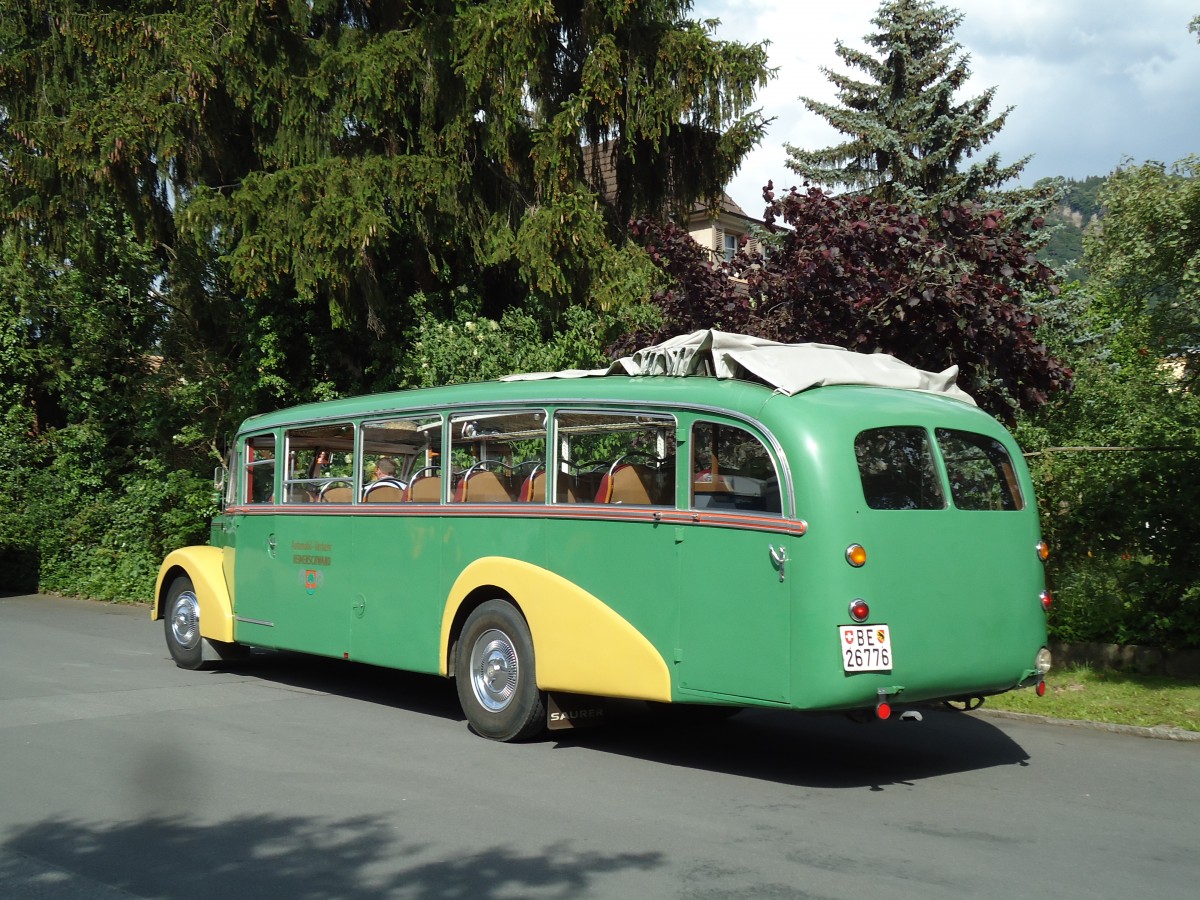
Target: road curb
{"x": 1158, "y": 732}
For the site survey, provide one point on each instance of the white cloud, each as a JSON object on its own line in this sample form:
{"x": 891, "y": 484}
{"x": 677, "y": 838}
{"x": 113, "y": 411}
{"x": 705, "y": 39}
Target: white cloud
{"x": 1092, "y": 81}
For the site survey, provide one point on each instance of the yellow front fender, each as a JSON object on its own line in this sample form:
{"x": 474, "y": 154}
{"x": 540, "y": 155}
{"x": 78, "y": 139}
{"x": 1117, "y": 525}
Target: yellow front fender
{"x": 203, "y": 566}
{"x": 582, "y": 646}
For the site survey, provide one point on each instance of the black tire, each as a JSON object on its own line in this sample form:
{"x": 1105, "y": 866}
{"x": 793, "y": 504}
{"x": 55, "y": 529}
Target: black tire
{"x": 496, "y": 676}
{"x": 181, "y": 622}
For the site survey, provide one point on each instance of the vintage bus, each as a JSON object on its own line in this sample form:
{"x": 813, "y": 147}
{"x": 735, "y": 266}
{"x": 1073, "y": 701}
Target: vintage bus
{"x": 737, "y": 524}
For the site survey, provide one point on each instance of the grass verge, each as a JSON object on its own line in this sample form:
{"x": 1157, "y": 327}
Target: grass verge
{"x": 1118, "y": 698}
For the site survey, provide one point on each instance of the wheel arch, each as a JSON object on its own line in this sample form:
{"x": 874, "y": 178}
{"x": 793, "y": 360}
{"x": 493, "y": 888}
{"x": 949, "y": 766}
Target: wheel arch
{"x": 475, "y": 598}
{"x": 203, "y": 566}
{"x": 580, "y": 643}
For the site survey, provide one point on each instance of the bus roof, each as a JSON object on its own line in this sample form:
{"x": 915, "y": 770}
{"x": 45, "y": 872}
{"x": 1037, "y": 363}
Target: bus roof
{"x": 786, "y": 368}
{"x": 731, "y": 376}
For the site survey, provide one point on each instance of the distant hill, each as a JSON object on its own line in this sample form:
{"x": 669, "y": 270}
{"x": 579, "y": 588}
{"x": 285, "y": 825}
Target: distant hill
{"x": 1077, "y": 208}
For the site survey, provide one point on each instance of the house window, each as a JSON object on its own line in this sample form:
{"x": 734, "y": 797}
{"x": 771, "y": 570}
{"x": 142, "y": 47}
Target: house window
{"x": 731, "y": 246}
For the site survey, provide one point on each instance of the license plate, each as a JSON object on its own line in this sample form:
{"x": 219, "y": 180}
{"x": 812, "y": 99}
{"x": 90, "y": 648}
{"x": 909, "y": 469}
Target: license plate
{"x": 865, "y": 648}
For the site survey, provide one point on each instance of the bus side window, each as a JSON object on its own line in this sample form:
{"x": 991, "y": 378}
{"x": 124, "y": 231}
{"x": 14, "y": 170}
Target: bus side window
{"x": 258, "y": 478}
{"x": 617, "y": 458}
{"x": 497, "y": 456}
{"x": 320, "y": 465}
{"x": 397, "y": 452}
{"x": 731, "y": 469}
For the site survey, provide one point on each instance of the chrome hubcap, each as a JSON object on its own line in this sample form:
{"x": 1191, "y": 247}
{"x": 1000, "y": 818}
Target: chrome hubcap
{"x": 495, "y": 670}
{"x": 185, "y": 620}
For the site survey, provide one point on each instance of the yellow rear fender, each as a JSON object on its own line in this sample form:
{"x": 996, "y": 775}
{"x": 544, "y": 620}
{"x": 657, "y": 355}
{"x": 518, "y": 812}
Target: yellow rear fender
{"x": 581, "y": 645}
{"x": 203, "y": 566}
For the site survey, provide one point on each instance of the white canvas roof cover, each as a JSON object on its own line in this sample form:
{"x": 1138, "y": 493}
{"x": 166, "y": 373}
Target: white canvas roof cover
{"x": 788, "y": 368}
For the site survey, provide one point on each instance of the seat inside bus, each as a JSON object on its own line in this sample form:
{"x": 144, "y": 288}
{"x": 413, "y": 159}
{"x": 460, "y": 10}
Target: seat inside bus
{"x": 634, "y": 484}
{"x": 483, "y": 486}
{"x": 339, "y": 493}
{"x": 424, "y": 488}
{"x": 383, "y": 493}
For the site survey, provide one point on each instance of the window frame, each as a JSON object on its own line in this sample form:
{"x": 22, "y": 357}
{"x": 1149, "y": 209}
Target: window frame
{"x": 666, "y": 449}
{"x": 764, "y": 446}
{"x": 249, "y": 465}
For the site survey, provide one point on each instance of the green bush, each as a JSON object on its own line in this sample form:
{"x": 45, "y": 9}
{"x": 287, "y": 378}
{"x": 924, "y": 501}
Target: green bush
{"x": 70, "y": 532}
{"x": 92, "y": 506}
{"x": 1118, "y": 507}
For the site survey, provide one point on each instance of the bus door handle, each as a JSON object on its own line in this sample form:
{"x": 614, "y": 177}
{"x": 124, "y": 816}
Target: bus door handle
{"x": 271, "y": 545}
{"x": 779, "y": 558}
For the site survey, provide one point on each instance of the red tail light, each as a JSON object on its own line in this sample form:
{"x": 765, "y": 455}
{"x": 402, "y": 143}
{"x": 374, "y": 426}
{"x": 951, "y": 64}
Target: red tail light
{"x": 859, "y": 611}
{"x": 1047, "y": 600}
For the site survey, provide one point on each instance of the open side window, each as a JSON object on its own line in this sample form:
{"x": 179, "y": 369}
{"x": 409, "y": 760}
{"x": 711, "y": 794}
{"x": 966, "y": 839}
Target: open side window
{"x": 616, "y": 458}
{"x": 732, "y": 470}
{"x": 498, "y": 457}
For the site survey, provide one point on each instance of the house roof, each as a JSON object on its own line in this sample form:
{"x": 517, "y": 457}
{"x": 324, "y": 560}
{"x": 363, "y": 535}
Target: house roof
{"x": 601, "y": 173}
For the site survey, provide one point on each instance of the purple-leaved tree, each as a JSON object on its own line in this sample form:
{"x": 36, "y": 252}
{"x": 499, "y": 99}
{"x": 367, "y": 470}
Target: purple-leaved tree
{"x": 874, "y": 277}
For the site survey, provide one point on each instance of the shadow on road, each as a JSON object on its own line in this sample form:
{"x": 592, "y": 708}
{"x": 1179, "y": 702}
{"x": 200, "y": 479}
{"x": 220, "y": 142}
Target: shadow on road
{"x": 428, "y": 695}
{"x": 814, "y": 750}
{"x": 824, "y": 750}
{"x": 267, "y": 856}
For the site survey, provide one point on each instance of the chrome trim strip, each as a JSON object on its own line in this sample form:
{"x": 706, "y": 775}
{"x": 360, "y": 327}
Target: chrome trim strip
{"x": 247, "y": 621}
{"x": 576, "y": 511}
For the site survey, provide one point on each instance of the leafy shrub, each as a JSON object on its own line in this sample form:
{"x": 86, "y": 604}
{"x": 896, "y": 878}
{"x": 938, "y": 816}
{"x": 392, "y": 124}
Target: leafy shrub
{"x": 91, "y": 539}
{"x": 1118, "y": 506}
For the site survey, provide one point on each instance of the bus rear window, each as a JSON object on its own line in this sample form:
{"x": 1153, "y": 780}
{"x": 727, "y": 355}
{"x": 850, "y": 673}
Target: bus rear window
{"x": 981, "y": 472}
{"x": 897, "y": 469}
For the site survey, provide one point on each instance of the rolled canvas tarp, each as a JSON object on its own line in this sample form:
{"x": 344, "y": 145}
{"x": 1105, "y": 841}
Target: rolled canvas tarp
{"x": 787, "y": 368}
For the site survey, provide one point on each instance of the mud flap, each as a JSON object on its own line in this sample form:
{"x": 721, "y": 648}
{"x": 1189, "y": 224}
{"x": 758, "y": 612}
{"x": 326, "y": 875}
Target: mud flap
{"x": 574, "y": 711}
{"x": 219, "y": 651}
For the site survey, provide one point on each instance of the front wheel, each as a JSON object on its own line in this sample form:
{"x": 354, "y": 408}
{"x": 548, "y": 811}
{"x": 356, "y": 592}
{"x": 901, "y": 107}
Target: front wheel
{"x": 181, "y": 621}
{"x": 495, "y": 674}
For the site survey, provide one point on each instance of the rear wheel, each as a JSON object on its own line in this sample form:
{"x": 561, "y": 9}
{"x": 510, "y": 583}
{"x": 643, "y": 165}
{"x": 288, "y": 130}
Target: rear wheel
{"x": 495, "y": 673}
{"x": 181, "y": 621}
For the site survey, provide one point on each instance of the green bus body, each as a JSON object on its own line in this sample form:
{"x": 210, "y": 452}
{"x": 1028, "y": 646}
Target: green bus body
{"x": 742, "y": 608}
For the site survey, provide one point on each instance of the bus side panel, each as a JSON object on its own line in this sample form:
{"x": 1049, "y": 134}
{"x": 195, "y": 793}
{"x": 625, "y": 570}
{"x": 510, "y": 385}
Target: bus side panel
{"x": 630, "y": 567}
{"x": 203, "y": 565}
{"x": 395, "y": 609}
{"x": 296, "y": 575}
{"x": 406, "y": 564}
{"x": 582, "y": 646}
{"x": 736, "y": 617}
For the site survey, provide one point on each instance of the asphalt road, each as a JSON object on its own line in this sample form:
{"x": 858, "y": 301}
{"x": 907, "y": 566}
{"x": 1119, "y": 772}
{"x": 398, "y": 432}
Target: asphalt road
{"x": 123, "y": 776}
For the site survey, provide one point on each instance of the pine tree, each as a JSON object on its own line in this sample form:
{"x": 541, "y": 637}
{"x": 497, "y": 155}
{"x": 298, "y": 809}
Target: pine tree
{"x": 323, "y": 160}
{"x": 908, "y": 137}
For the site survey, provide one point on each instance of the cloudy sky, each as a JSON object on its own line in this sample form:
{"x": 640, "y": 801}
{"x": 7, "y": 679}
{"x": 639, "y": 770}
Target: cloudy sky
{"x": 1092, "y": 81}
